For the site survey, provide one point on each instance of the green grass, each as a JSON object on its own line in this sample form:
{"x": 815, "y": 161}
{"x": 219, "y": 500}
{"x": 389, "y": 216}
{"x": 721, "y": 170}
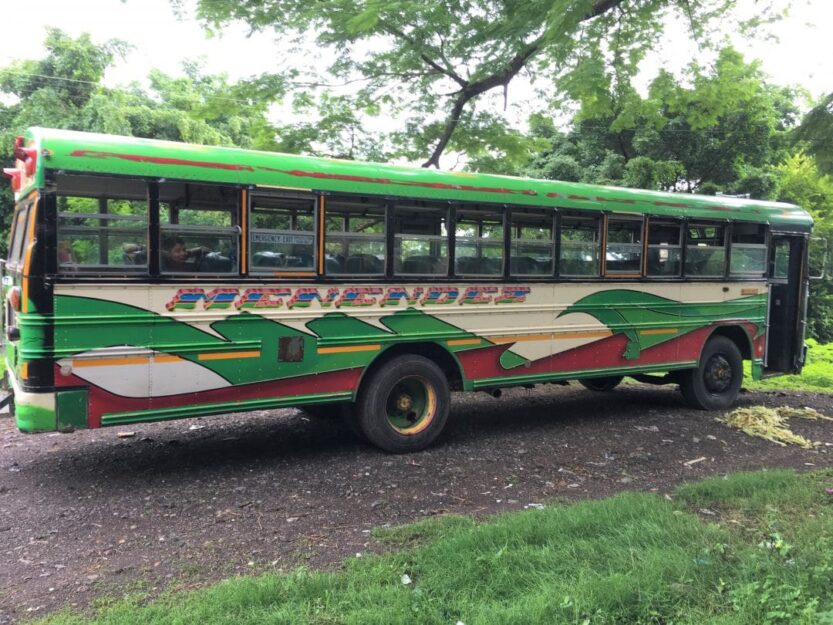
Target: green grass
{"x": 753, "y": 548}
{"x": 817, "y": 374}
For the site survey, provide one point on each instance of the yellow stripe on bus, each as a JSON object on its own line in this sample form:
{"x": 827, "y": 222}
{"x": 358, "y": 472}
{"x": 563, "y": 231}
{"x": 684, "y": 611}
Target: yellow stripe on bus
{"x": 659, "y": 331}
{"x": 349, "y": 349}
{"x": 229, "y": 355}
{"x": 110, "y": 362}
{"x": 456, "y": 342}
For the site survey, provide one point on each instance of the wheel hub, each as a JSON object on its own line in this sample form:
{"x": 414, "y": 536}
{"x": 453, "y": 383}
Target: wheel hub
{"x": 718, "y": 374}
{"x": 405, "y": 403}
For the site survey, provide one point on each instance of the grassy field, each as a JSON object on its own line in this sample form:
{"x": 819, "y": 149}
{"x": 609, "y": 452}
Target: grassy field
{"x": 816, "y": 376}
{"x": 748, "y": 549}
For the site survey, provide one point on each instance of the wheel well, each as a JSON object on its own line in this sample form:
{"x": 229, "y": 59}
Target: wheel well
{"x": 438, "y": 355}
{"x": 738, "y": 336}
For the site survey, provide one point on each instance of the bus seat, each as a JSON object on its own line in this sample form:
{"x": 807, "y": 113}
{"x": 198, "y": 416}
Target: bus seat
{"x": 420, "y": 264}
{"x": 332, "y": 265}
{"x": 363, "y": 263}
{"x": 524, "y": 265}
{"x": 268, "y": 258}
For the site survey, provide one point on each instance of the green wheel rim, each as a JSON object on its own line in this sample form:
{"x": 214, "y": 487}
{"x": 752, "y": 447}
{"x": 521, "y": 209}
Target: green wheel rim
{"x": 411, "y": 405}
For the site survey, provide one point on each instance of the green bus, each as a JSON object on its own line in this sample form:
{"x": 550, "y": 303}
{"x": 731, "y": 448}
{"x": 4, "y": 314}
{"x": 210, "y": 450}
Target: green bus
{"x": 150, "y": 280}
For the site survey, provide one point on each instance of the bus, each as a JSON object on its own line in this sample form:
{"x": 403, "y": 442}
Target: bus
{"x": 150, "y": 280}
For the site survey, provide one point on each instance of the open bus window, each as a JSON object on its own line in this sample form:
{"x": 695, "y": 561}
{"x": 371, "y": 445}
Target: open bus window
{"x": 18, "y": 235}
{"x": 420, "y": 239}
{"x": 198, "y": 229}
{"x": 355, "y": 237}
{"x": 624, "y": 246}
{"x": 665, "y": 249}
{"x": 101, "y": 234}
{"x": 580, "y": 244}
{"x": 282, "y": 234}
{"x": 705, "y": 253}
{"x": 479, "y": 242}
{"x": 748, "y": 250}
{"x": 532, "y": 246}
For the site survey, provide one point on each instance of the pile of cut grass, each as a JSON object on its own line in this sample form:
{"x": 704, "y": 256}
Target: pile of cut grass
{"x": 749, "y": 548}
{"x": 772, "y": 423}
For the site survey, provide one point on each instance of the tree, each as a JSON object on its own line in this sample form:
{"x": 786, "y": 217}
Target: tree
{"x": 816, "y": 133}
{"x": 63, "y": 90}
{"x": 440, "y": 63}
{"x": 721, "y": 128}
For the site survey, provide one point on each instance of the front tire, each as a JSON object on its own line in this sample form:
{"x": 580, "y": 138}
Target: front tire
{"x": 715, "y": 383}
{"x": 403, "y": 406}
{"x": 602, "y": 385}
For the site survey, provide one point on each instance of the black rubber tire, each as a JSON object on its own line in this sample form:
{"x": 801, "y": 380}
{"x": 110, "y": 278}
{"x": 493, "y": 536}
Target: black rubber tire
{"x": 376, "y": 394}
{"x": 602, "y": 385}
{"x": 716, "y": 382}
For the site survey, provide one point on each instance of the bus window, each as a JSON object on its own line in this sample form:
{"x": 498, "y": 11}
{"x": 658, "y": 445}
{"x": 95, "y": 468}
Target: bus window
{"x": 705, "y": 252}
{"x": 665, "y": 249}
{"x": 580, "y": 243}
{"x": 282, "y": 235}
{"x": 532, "y": 244}
{"x": 355, "y": 237}
{"x": 198, "y": 229}
{"x": 479, "y": 242}
{"x": 102, "y": 225}
{"x": 624, "y": 246}
{"x": 18, "y": 235}
{"x": 748, "y": 250}
{"x": 420, "y": 239}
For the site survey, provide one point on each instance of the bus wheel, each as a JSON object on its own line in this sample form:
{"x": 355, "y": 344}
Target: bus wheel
{"x": 602, "y": 384}
{"x": 715, "y": 383}
{"x": 403, "y": 407}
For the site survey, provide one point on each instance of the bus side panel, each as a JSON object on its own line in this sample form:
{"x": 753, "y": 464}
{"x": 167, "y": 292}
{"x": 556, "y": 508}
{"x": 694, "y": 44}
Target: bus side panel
{"x": 149, "y": 352}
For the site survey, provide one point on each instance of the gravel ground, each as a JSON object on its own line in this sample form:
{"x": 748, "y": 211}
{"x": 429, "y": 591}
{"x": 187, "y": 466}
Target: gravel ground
{"x": 90, "y": 515}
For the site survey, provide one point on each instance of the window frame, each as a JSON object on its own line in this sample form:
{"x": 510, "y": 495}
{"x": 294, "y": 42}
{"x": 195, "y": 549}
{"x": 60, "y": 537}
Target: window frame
{"x": 161, "y": 229}
{"x": 681, "y": 224}
{"x": 726, "y": 226}
{"x": 639, "y": 218}
{"x": 596, "y": 215}
{"x": 249, "y": 208}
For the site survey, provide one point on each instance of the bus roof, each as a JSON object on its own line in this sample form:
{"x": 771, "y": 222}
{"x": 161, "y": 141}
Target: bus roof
{"x": 129, "y": 156}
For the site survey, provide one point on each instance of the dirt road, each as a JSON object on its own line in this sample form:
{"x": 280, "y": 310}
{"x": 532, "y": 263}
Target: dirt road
{"x": 90, "y": 514}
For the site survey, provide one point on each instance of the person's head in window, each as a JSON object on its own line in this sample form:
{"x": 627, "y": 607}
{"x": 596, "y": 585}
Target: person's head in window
{"x": 174, "y": 254}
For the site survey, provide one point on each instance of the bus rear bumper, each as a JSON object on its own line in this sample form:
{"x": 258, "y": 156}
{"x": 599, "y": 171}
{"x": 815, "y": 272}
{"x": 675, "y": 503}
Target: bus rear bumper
{"x": 49, "y": 411}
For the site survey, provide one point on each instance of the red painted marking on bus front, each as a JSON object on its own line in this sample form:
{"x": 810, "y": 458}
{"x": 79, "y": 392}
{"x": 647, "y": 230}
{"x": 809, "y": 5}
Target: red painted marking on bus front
{"x": 158, "y": 160}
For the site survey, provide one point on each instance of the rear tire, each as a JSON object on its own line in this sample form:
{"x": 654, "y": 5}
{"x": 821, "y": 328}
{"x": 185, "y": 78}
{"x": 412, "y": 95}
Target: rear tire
{"x": 715, "y": 383}
{"x": 403, "y": 405}
{"x": 602, "y": 385}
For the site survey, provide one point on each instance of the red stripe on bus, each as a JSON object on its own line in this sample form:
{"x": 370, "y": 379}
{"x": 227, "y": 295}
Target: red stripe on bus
{"x": 158, "y": 160}
{"x": 320, "y": 175}
{"x": 103, "y": 402}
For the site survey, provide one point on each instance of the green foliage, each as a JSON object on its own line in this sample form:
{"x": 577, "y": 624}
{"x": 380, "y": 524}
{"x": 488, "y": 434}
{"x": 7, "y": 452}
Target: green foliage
{"x": 718, "y": 128}
{"x": 816, "y": 376}
{"x": 63, "y": 90}
{"x": 763, "y": 556}
{"x": 816, "y": 133}
{"x": 441, "y": 64}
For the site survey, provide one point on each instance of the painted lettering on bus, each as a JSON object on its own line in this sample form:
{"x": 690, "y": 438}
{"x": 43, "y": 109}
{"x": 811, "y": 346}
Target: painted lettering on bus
{"x": 271, "y": 298}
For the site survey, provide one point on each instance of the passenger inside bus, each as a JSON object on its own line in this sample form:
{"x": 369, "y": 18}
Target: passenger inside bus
{"x": 176, "y": 256}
